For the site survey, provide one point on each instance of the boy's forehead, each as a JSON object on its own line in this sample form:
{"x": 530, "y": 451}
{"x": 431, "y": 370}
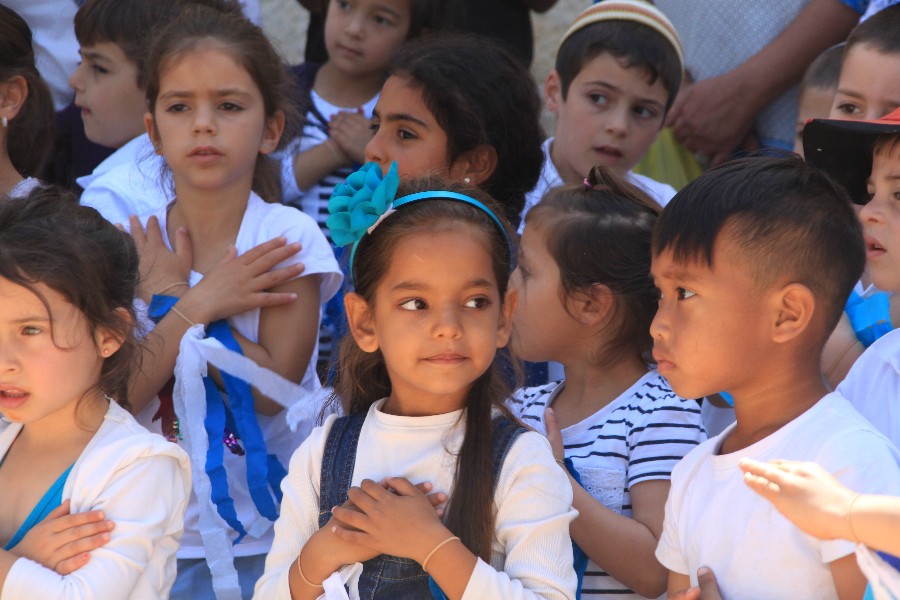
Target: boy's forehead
{"x": 664, "y": 265}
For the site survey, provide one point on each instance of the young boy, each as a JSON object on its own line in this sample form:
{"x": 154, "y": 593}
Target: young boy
{"x": 618, "y": 70}
{"x": 754, "y": 261}
{"x": 869, "y": 85}
{"x": 865, "y": 157}
{"x": 817, "y": 90}
{"x": 109, "y": 90}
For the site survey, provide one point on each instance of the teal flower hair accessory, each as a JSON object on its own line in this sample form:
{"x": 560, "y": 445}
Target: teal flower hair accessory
{"x": 360, "y": 203}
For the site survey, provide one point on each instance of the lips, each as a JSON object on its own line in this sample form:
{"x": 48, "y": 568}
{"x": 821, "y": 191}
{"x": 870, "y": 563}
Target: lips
{"x": 205, "y": 154}
{"x": 662, "y": 363}
{"x": 446, "y": 358}
{"x": 12, "y": 397}
{"x": 608, "y": 154}
{"x": 874, "y": 249}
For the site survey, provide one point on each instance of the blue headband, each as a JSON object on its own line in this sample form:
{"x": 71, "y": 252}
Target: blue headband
{"x": 365, "y": 199}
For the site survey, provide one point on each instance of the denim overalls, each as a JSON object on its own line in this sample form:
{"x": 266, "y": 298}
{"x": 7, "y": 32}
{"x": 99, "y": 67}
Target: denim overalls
{"x": 387, "y": 576}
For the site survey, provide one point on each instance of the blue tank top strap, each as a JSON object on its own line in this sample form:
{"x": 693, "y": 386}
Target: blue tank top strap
{"x": 870, "y": 317}
{"x": 337, "y": 463}
{"x": 44, "y": 507}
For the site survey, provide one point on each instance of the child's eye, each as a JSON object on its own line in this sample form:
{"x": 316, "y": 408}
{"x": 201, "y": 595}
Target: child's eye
{"x": 373, "y": 126}
{"x": 479, "y": 302}
{"x": 30, "y": 330}
{"x": 176, "y": 108}
{"x": 404, "y": 134}
{"x": 848, "y": 108}
{"x": 599, "y": 99}
{"x": 343, "y": 4}
{"x": 645, "y": 113}
{"x": 414, "y": 304}
{"x": 383, "y": 20}
{"x": 230, "y": 107}
{"x": 98, "y": 69}
{"x": 683, "y": 293}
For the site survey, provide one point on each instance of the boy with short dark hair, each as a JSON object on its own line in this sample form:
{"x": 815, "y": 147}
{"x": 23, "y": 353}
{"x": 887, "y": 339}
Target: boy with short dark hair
{"x": 754, "y": 261}
{"x": 109, "y": 89}
{"x": 618, "y": 70}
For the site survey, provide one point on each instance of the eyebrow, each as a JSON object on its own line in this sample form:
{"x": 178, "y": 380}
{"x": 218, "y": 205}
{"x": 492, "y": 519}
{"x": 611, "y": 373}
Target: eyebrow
{"x": 33, "y": 319}
{"x": 415, "y": 286}
{"x": 609, "y": 86}
{"x": 219, "y": 93}
{"x": 676, "y": 274}
{"x": 93, "y": 55}
{"x": 387, "y": 9}
{"x": 400, "y": 117}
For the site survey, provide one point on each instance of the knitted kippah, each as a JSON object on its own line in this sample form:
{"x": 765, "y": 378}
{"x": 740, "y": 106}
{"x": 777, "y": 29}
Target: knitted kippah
{"x": 628, "y": 10}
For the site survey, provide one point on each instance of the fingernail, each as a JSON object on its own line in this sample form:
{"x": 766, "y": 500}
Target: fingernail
{"x": 102, "y": 515}
{"x": 333, "y": 529}
{"x": 703, "y": 571}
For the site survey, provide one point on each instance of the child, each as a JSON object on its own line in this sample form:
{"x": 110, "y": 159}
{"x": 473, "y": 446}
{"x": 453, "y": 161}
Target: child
{"x": 586, "y": 300}
{"x": 869, "y": 85}
{"x": 218, "y": 99}
{"x": 754, "y": 261}
{"x": 618, "y": 70}
{"x": 464, "y": 108}
{"x": 865, "y": 157}
{"x": 421, "y": 378}
{"x": 67, "y": 280}
{"x": 817, "y": 90}
{"x": 109, "y": 89}
{"x": 338, "y": 95}
{"x": 26, "y": 108}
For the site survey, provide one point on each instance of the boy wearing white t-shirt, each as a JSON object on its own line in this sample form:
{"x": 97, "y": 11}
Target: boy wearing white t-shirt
{"x": 754, "y": 261}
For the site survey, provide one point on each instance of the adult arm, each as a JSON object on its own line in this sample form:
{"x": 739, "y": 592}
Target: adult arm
{"x": 712, "y": 116}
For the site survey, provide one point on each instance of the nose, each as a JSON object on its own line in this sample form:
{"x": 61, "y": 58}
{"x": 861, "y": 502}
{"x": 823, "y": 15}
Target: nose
{"x": 659, "y": 327}
{"x": 355, "y": 26}
{"x": 375, "y": 152}
{"x": 75, "y": 80}
{"x": 617, "y": 122}
{"x": 871, "y": 211}
{"x": 8, "y": 361}
{"x": 447, "y": 323}
{"x": 204, "y": 119}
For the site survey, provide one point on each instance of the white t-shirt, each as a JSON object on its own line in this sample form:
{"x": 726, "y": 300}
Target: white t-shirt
{"x": 713, "y": 519}
{"x": 639, "y": 436}
{"x": 873, "y": 385}
{"x": 532, "y": 555}
{"x": 262, "y": 221}
{"x": 550, "y": 179}
{"x": 141, "y": 482}
{"x": 314, "y": 201}
{"x": 129, "y": 182}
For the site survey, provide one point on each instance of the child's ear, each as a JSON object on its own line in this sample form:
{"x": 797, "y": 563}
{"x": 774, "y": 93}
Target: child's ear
{"x": 475, "y": 166}
{"x": 150, "y": 126}
{"x": 591, "y": 307}
{"x": 794, "y": 307}
{"x": 108, "y": 341}
{"x": 272, "y": 133}
{"x": 504, "y": 328}
{"x": 553, "y": 92}
{"x": 359, "y": 321}
{"x": 13, "y": 93}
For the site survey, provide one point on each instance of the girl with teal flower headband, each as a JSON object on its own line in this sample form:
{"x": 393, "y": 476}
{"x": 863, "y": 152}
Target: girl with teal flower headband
{"x": 428, "y": 487}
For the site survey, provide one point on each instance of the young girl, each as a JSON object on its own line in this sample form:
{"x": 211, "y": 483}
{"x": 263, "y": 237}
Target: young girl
{"x": 464, "y": 108}
{"x": 586, "y": 300}
{"x": 217, "y": 100}
{"x": 429, "y": 311}
{"x": 26, "y": 108}
{"x": 67, "y": 280}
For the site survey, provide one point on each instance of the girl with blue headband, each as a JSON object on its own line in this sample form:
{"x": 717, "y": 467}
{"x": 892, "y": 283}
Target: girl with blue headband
{"x": 428, "y": 487}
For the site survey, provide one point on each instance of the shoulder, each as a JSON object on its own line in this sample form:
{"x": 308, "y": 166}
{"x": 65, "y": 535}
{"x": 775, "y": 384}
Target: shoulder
{"x": 532, "y": 400}
{"x": 653, "y": 397}
{"x": 530, "y": 462}
{"x": 121, "y": 436}
{"x": 882, "y": 357}
{"x": 661, "y": 192}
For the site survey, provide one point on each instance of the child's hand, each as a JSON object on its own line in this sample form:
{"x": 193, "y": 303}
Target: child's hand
{"x": 159, "y": 267}
{"x": 554, "y": 434}
{"x": 351, "y": 132}
{"x": 62, "y": 541}
{"x": 395, "y": 518}
{"x": 239, "y": 283}
{"x": 708, "y": 589}
{"x": 805, "y": 493}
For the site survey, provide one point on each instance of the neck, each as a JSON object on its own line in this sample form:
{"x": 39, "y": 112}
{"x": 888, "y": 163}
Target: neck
{"x": 212, "y": 217}
{"x": 9, "y": 177}
{"x": 596, "y": 386}
{"x": 766, "y": 408}
{"x": 422, "y": 405}
{"x": 568, "y": 175}
{"x": 76, "y": 423}
{"x": 346, "y": 91}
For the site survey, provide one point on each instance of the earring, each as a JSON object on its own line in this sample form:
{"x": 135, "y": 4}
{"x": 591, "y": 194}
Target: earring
{"x": 105, "y": 352}
{"x": 5, "y": 122}
{"x": 467, "y": 180}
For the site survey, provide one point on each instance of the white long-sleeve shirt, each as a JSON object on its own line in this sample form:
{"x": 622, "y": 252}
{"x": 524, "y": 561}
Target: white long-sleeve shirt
{"x": 141, "y": 482}
{"x": 532, "y": 555}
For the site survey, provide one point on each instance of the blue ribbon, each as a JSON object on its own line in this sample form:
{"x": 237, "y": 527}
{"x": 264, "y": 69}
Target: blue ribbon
{"x": 870, "y": 317}
{"x": 264, "y": 470}
{"x": 580, "y": 558}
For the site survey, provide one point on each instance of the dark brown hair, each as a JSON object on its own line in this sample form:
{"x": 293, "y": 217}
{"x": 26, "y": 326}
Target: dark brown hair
{"x": 880, "y": 31}
{"x": 248, "y": 45}
{"x": 49, "y": 238}
{"x": 132, "y": 25}
{"x": 29, "y": 135}
{"x": 480, "y": 95}
{"x": 639, "y": 46}
{"x": 362, "y": 378}
{"x": 600, "y": 234}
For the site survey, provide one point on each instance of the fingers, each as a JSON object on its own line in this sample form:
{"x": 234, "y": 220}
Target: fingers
{"x": 402, "y": 486}
{"x": 709, "y": 587}
{"x": 554, "y": 435}
{"x": 260, "y": 250}
{"x": 60, "y": 511}
{"x": 64, "y": 522}
{"x": 183, "y": 248}
{"x": 71, "y": 565}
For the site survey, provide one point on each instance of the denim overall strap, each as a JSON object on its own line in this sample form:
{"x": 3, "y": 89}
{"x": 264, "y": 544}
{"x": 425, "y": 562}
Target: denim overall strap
{"x": 337, "y": 463}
